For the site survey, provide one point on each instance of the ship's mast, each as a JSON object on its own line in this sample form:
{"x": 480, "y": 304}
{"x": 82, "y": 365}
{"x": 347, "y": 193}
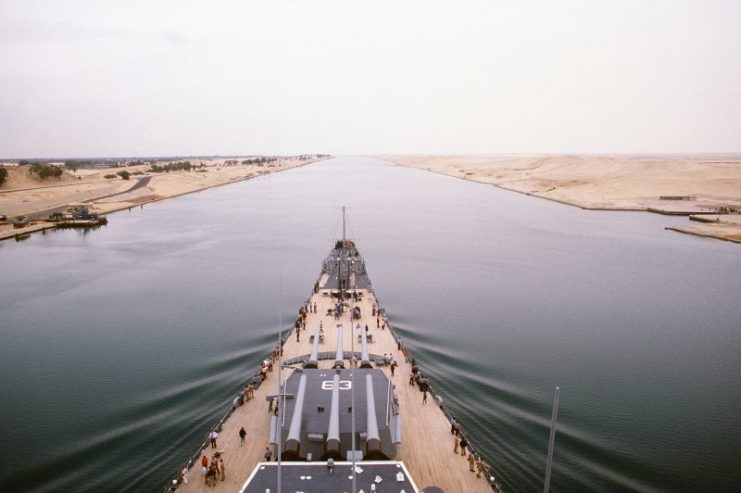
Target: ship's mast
{"x": 352, "y": 395}
{"x": 279, "y": 434}
{"x": 352, "y": 351}
{"x": 339, "y": 261}
{"x": 549, "y": 461}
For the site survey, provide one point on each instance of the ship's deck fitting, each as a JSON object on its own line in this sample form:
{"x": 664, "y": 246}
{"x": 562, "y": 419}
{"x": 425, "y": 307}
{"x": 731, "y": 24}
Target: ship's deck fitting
{"x": 388, "y": 476}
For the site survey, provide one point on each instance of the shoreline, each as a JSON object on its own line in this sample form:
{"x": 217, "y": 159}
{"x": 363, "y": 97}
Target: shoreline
{"x": 660, "y": 184}
{"x": 105, "y": 207}
{"x": 681, "y": 229}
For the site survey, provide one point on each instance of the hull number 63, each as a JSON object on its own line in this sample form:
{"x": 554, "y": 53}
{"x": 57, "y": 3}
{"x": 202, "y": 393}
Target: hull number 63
{"x": 329, "y": 385}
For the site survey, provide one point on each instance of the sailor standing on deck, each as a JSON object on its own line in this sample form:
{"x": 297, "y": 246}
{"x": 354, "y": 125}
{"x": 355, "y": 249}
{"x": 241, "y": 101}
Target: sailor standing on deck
{"x": 479, "y": 466}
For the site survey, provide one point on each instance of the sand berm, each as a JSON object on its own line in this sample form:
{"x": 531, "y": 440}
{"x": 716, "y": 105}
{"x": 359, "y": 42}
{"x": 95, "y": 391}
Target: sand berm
{"x": 706, "y": 188}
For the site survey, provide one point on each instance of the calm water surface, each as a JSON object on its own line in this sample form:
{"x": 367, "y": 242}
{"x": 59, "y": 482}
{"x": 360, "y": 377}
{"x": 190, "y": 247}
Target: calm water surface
{"x": 119, "y": 348}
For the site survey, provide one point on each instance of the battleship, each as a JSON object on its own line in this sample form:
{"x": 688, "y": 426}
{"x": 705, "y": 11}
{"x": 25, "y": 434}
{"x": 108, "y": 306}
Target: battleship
{"x": 341, "y": 405}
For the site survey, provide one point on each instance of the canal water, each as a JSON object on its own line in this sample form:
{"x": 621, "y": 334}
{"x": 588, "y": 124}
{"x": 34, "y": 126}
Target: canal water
{"x": 120, "y": 347}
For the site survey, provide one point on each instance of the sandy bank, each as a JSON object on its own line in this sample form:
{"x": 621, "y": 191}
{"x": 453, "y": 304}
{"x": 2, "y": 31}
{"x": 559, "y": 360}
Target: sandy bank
{"x": 22, "y": 195}
{"x": 680, "y": 185}
{"x": 721, "y": 226}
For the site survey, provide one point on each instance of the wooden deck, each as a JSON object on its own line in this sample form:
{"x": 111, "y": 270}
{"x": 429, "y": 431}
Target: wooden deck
{"x": 427, "y": 444}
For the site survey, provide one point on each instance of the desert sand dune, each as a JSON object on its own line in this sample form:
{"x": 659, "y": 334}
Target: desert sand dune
{"x": 696, "y": 184}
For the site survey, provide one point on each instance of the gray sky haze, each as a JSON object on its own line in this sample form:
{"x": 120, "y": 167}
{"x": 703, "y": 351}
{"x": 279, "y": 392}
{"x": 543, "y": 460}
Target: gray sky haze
{"x": 128, "y": 78}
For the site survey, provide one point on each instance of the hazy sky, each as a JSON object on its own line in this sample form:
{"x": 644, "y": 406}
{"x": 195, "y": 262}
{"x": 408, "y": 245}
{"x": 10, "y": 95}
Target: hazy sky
{"x": 125, "y": 78}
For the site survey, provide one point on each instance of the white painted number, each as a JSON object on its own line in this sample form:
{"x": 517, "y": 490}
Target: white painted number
{"x": 329, "y": 384}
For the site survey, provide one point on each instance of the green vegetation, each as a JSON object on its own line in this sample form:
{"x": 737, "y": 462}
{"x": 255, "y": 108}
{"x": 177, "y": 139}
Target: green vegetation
{"x": 124, "y": 174}
{"x": 42, "y": 170}
{"x": 3, "y": 174}
{"x": 73, "y": 166}
{"x": 179, "y": 166}
{"x": 257, "y": 161}
{"x": 45, "y": 171}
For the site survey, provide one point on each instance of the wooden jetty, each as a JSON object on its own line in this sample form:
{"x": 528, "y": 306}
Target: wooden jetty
{"x": 82, "y": 223}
